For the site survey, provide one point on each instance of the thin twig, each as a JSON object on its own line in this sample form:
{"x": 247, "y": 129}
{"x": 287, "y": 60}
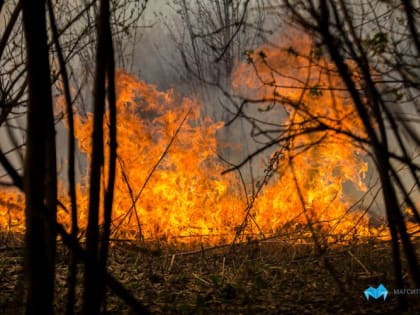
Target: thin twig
{"x": 358, "y": 261}
{"x": 157, "y": 163}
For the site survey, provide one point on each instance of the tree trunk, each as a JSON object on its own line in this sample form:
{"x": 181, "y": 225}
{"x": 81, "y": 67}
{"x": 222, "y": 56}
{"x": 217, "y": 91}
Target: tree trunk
{"x": 93, "y": 284}
{"x": 40, "y": 171}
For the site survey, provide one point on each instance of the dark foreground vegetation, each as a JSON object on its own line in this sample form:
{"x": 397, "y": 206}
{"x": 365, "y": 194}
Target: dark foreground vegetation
{"x": 266, "y": 277}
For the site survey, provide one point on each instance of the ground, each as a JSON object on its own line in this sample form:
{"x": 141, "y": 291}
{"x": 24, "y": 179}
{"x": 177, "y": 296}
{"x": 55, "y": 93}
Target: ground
{"x": 265, "y": 277}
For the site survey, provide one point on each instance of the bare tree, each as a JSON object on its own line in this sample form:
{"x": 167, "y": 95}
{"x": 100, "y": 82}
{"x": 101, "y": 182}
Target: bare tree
{"x": 94, "y": 289}
{"x": 213, "y": 35}
{"x": 40, "y": 170}
{"x": 376, "y": 112}
{"x": 373, "y": 49}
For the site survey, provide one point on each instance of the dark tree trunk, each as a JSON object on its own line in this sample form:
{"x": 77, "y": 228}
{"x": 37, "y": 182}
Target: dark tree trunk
{"x": 109, "y": 193}
{"x": 40, "y": 171}
{"x": 93, "y": 284}
{"x": 71, "y": 297}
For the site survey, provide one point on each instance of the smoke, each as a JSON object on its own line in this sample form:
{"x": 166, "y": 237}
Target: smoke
{"x": 163, "y": 52}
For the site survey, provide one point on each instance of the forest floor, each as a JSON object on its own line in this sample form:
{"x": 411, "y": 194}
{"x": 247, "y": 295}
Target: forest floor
{"x": 265, "y": 277}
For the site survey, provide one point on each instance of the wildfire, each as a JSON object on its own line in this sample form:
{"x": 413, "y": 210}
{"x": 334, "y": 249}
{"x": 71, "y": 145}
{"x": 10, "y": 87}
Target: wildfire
{"x": 169, "y": 183}
{"x": 11, "y": 211}
{"x": 320, "y": 158}
{"x": 185, "y": 195}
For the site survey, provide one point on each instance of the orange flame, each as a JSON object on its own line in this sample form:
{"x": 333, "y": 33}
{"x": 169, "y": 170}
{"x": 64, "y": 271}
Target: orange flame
{"x": 296, "y": 83}
{"x": 11, "y": 211}
{"x": 185, "y": 195}
{"x": 184, "y": 198}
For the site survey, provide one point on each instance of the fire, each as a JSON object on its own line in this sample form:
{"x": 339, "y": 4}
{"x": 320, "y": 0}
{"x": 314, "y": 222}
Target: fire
{"x": 11, "y": 211}
{"x": 169, "y": 183}
{"x": 185, "y": 195}
{"x": 317, "y": 166}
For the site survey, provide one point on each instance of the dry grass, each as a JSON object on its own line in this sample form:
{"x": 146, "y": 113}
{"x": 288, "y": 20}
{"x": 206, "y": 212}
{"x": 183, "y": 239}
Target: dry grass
{"x": 265, "y": 277}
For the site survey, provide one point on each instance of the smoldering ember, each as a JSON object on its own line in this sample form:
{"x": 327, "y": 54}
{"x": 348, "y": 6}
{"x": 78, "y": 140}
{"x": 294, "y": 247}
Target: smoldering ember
{"x": 209, "y": 157}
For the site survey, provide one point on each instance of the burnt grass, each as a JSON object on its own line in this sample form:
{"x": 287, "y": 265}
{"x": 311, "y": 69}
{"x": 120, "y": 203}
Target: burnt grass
{"x": 255, "y": 277}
